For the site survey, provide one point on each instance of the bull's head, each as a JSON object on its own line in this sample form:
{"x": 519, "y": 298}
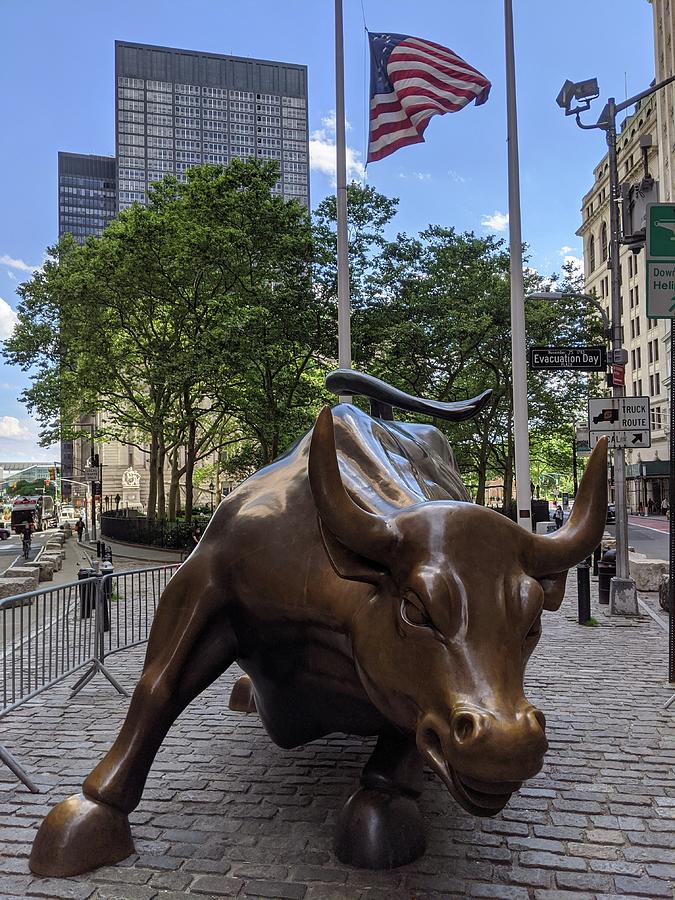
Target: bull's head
{"x": 442, "y": 643}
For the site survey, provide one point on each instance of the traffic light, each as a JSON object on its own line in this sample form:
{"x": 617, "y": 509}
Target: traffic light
{"x": 52, "y": 473}
{"x": 47, "y": 482}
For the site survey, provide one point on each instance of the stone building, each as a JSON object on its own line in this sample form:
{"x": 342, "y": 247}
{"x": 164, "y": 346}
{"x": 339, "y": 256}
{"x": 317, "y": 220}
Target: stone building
{"x": 646, "y": 340}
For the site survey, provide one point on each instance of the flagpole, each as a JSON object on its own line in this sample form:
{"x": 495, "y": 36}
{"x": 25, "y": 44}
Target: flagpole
{"x": 518, "y": 365}
{"x": 344, "y": 326}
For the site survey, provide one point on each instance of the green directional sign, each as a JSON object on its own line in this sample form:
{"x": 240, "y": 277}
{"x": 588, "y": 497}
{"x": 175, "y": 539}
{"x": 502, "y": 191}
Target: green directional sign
{"x": 661, "y": 231}
{"x": 660, "y": 268}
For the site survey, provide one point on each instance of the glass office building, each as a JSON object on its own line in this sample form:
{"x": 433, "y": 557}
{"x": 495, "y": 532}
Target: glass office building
{"x": 87, "y": 194}
{"x": 180, "y": 108}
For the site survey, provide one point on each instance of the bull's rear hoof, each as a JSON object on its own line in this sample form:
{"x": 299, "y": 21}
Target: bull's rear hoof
{"x": 379, "y": 830}
{"x": 242, "y": 698}
{"x": 79, "y": 835}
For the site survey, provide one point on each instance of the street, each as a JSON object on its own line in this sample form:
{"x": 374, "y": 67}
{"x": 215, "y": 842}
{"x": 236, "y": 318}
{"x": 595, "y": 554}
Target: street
{"x": 647, "y": 535}
{"x": 11, "y": 549}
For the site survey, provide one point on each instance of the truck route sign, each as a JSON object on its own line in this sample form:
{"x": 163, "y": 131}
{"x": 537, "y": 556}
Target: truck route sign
{"x": 624, "y": 420}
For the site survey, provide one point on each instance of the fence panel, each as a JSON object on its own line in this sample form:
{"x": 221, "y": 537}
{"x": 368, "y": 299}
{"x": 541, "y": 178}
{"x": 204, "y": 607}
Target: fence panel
{"x": 44, "y": 636}
{"x": 130, "y": 599}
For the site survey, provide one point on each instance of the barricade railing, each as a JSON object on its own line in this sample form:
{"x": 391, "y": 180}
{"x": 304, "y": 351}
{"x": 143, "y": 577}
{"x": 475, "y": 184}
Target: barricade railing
{"x": 48, "y": 634}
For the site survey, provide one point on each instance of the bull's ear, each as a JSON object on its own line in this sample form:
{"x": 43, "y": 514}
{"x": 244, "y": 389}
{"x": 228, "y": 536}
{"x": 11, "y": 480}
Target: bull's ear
{"x": 554, "y": 590}
{"x": 348, "y": 564}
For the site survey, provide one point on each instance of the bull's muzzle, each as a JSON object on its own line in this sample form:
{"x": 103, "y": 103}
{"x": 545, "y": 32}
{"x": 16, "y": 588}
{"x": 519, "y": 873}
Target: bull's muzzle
{"x": 484, "y": 756}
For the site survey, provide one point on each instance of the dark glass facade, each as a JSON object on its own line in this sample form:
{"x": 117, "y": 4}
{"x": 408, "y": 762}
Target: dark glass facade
{"x": 87, "y": 194}
{"x": 180, "y": 108}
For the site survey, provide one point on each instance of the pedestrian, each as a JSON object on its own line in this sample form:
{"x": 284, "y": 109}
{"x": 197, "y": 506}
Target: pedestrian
{"x": 650, "y": 506}
{"x": 558, "y": 516}
{"x": 196, "y": 535}
{"x": 665, "y": 506}
{"x": 79, "y": 528}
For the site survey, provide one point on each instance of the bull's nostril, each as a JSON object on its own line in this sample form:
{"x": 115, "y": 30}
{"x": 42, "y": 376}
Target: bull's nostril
{"x": 463, "y": 727}
{"x": 539, "y": 717}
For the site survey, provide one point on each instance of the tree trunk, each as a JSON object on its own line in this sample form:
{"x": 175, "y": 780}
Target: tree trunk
{"x": 482, "y": 469}
{"x": 161, "y": 490}
{"x": 152, "y": 488}
{"x": 174, "y": 487}
{"x": 190, "y": 452}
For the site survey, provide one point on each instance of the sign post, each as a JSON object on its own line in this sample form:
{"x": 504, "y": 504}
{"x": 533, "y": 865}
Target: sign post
{"x": 660, "y": 272}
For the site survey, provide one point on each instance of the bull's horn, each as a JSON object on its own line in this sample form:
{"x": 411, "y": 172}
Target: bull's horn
{"x": 581, "y": 534}
{"x": 362, "y": 532}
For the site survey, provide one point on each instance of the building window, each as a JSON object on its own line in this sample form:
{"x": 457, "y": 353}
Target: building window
{"x": 591, "y": 254}
{"x": 656, "y": 349}
{"x": 657, "y": 383}
{"x": 603, "y": 241}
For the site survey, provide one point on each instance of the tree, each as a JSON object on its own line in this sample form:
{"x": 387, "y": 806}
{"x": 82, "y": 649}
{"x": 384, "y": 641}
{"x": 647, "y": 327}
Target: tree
{"x": 181, "y": 315}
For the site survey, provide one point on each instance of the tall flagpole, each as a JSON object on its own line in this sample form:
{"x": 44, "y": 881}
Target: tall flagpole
{"x": 518, "y": 365}
{"x": 344, "y": 327}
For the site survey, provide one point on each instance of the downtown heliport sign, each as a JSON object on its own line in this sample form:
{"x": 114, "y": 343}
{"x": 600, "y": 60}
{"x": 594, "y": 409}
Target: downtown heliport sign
{"x": 660, "y": 267}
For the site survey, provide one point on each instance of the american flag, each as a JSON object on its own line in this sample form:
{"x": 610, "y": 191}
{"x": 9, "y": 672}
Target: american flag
{"x": 412, "y": 80}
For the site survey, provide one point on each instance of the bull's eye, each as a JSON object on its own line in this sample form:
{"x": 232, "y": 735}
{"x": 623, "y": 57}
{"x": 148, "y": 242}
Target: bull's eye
{"x": 413, "y": 612}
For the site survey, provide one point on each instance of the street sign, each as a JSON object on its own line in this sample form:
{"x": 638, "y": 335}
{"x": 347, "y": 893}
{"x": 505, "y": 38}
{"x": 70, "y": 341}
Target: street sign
{"x": 580, "y": 359}
{"x": 660, "y": 267}
{"x": 91, "y": 473}
{"x": 582, "y": 439}
{"x": 661, "y": 231}
{"x": 624, "y": 420}
{"x": 618, "y": 373}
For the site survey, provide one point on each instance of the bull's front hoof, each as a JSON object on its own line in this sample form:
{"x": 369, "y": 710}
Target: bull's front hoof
{"x": 379, "y": 830}
{"x": 79, "y": 835}
{"x": 242, "y": 698}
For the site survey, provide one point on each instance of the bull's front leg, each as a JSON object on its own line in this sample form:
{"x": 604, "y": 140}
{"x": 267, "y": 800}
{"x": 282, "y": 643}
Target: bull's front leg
{"x": 380, "y": 826}
{"x": 191, "y": 643}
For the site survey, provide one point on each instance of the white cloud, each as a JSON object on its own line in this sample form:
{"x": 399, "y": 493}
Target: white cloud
{"x": 565, "y": 250}
{"x": 322, "y": 152}
{"x": 7, "y": 319}
{"x": 11, "y": 275}
{"x": 418, "y": 176}
{"x": 456, "y": 177}
{"x": 577, "y": 263}
{"x": 496, "y": 222}
{"x": 13, "y": 430}
{"x": 19, "y": 264}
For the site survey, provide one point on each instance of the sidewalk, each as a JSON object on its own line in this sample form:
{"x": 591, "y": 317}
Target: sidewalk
{"x": 227, "y": 813}
{"x": 139, "y": 552}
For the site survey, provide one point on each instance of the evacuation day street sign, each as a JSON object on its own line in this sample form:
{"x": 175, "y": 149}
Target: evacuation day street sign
{"x": 660, "y": 268}
{"x": 624, "y": 420}
{"x": 580, "y": 359}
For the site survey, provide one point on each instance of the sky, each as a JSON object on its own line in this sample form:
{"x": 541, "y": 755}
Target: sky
{"x": 56, "y": 93}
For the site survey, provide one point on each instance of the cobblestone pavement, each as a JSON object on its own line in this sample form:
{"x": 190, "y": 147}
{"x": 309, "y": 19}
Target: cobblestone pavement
{"x": 226, "y": 813}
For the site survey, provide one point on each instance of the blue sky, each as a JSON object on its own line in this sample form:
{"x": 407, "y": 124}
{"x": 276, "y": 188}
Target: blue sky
{"x": 56, "y": 80}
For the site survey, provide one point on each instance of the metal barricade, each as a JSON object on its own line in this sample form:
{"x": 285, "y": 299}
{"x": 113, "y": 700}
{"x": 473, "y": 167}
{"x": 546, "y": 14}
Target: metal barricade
{"x": 49, "y": 634}
{"x": 43, "y": 639}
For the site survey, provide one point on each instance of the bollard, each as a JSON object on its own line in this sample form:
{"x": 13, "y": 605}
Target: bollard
{"x": 106, "y": 593}
{"x": 98, "y": 549}
{"x": 584, "y": 592}
{"x": 596, "y": 558}
{"x": 606, "y": 571}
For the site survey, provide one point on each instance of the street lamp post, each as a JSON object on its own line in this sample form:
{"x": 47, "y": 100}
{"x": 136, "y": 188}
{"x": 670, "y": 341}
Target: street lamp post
{"x": 623, "y": 591}
{"x": 211, "y": 490}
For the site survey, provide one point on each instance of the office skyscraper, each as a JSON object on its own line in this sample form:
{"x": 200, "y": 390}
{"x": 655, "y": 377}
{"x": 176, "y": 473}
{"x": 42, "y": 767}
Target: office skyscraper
{"x": 180, "y": 108}
{"x": 87, "y": 194}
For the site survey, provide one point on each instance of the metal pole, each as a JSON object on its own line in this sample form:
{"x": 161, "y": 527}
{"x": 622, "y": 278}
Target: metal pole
{"x": 518, "y": 362}
{"x": 574, "y": 465}
{"x": 671, "y": 501}
{"x": 617, "y": 390}
{"x": 344, "y": 327}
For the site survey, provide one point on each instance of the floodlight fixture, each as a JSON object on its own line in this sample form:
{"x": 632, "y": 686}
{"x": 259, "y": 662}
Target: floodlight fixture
{"x": 581, "y": 91}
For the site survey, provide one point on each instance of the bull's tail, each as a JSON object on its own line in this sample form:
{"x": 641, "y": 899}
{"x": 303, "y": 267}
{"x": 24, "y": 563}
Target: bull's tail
{"x": 383, "y": 397}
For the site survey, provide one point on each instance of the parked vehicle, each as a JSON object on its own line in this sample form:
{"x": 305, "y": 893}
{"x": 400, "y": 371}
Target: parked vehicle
{"x": 611, "y": 513}
{"x": 5, "y": 532}
{"x": 37, "y": 511}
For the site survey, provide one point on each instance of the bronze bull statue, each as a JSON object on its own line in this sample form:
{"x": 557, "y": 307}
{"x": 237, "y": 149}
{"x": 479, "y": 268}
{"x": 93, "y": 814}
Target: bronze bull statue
{"x": 362, "y": 593}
